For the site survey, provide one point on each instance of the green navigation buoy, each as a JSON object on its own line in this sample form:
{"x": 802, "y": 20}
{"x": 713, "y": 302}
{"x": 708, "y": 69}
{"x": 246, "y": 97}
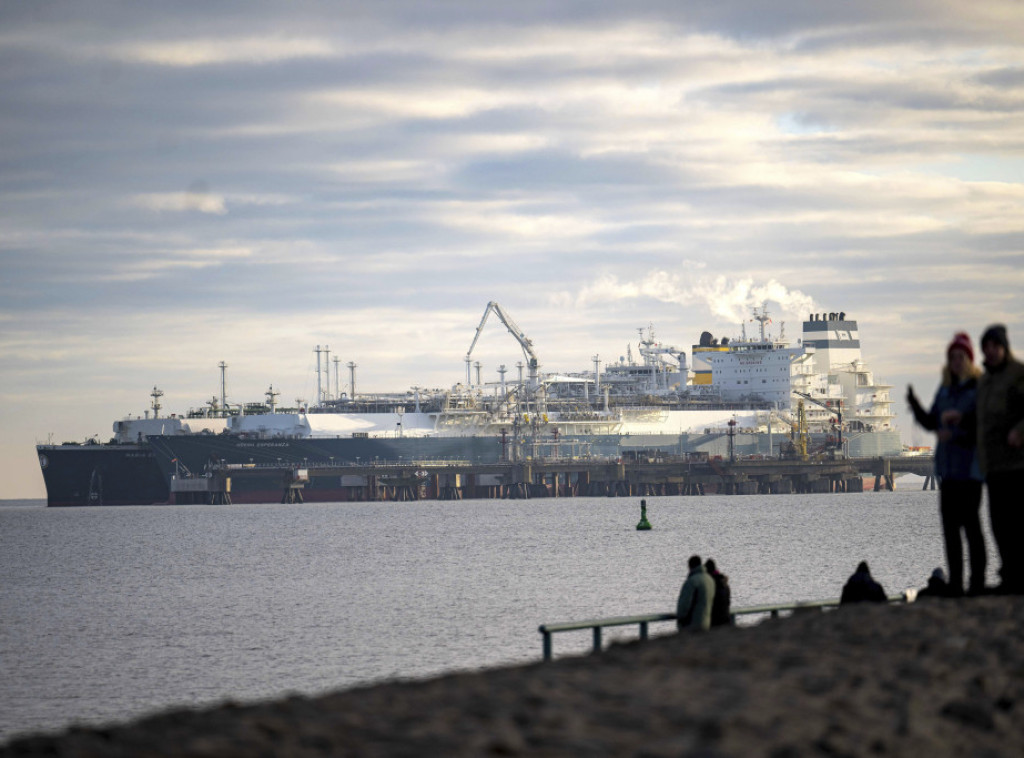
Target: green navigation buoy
{"x": 644, "y": 524}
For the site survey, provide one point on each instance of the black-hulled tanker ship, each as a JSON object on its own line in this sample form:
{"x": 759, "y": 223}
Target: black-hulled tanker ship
{"x": 102, "y": 474}
{"x": 761, "y": 389}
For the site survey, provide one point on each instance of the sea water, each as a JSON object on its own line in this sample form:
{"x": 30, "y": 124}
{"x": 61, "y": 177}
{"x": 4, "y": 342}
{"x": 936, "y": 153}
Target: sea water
{"x": 113, "y": 612}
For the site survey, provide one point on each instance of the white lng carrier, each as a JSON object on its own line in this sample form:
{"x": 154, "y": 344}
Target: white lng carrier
{"x": 762, "y": 395}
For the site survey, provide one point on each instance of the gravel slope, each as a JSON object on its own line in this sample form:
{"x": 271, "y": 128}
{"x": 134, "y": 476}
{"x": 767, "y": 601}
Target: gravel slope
{"x": 935, "y": 678}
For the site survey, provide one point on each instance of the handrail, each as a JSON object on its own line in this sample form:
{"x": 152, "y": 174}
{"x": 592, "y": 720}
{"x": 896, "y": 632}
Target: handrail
{"x": 644, "y": 620}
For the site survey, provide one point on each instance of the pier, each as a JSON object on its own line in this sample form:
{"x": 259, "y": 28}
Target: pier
{"x": 542, "y": 478}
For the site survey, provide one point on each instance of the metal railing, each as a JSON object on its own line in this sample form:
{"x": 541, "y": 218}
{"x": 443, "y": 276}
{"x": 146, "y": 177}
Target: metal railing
{"x": 644, "y": 620}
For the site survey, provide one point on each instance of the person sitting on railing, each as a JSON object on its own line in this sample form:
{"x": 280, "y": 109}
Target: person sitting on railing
{"x": 861, "y": 587}
{"x": 723, "y": 595}
{"x": 693, "y": 609}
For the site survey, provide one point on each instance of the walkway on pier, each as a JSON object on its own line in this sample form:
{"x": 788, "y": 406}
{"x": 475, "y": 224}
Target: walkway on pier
{"x": 457, "y": 480}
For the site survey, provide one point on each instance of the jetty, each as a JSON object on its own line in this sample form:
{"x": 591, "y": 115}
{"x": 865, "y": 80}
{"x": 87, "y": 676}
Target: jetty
{"x": 556, "y": 477}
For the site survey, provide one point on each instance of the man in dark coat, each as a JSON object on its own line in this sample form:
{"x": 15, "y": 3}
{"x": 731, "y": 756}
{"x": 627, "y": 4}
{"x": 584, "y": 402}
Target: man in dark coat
{"x": 1001, "y": 451}
{"x": 937, "y": 586}
{"x": 861, "y": 587}
{"x": 693, "y": 608}
{"x": 723, "y": 595}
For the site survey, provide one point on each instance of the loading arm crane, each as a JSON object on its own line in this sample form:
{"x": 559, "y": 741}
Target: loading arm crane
{"x": 524, "y": 342}
{"x": 837, "y": 411}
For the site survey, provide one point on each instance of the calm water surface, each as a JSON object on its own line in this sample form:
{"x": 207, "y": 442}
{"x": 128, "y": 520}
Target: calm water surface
{"x": 110, "y": 613}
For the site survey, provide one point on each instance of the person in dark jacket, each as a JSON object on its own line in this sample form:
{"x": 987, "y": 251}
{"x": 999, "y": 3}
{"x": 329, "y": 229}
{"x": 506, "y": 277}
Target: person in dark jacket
{"x": 1001, "y": 452}
{"x": 693, "y": 608}
{"x": 862, "y": 588}
{"x": 937, "y": 585}
{"x": 954, "y": 418}
{"x": 723, "y": 595}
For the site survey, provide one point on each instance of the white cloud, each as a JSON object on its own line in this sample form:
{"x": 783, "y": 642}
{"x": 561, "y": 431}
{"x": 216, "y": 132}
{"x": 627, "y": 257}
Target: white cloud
{"x": 500, "y": 220}
{"x": 203, "y": 202}
{"x": 211, "y": 51}
{"x": 729, "y": 299}
{"x": 152, "y": 266}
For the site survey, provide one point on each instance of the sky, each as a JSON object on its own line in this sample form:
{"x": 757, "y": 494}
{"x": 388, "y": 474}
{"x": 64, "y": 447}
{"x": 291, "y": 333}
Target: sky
{"x": 188, "y": 183}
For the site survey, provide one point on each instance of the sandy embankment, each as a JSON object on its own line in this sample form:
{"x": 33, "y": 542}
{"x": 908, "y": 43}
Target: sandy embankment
{"x": 936, "y": 678}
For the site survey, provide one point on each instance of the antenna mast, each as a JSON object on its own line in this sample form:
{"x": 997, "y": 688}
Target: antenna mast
{"x": 223, "y": 386}
{"x": 319, "y": 388}
{"x": 156, "y": 395}
{"x": 763, "y": 317}
{"x": 327, "y": 371}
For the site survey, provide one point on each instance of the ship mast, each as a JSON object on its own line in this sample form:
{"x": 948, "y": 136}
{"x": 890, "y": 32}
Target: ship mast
{"x": 763, "y": 318}
{"x": 223, "y": 386}
{"x": 156, "y": 395}
{"x": 319, "y": 386}
{"x": 327, "y": 371}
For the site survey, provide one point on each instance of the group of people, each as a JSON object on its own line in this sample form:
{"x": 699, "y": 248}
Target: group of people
{"x": 705, "y": 597}
{"x": 978, "y": 418}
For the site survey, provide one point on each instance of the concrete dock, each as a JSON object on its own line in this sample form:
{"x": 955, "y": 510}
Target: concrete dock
{"x": 457, "y": 480}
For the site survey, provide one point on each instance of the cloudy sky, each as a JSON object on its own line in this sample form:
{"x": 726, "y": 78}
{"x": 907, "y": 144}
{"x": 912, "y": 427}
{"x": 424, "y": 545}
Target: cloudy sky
{"x": 185, "y": 183}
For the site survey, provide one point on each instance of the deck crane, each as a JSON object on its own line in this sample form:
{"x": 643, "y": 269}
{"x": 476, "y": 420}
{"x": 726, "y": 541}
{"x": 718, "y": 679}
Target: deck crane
{"x": 524, "y": 342}
{"x": 837, "y": 411}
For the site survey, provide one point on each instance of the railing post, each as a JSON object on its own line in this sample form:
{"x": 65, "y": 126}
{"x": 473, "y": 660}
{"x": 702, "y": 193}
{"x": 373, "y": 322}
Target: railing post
{"x": 643, "y": 630}
{"x": 597, "y": 639}
{"x": 547, "y": 643}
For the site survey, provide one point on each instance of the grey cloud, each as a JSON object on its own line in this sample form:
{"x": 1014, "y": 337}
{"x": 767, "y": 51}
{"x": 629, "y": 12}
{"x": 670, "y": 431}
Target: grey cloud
{"x": 562, "y": 169}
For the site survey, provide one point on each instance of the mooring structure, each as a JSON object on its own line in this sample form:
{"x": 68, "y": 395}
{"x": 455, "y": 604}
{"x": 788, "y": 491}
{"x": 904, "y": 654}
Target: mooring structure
{"x": 458, "y": 480}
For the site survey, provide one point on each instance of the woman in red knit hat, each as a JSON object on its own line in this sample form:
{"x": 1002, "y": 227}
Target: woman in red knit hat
{"x": 953, "y": 417}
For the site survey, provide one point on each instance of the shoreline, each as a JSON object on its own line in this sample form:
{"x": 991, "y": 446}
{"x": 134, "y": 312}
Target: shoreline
{"x": 939, "y": 676}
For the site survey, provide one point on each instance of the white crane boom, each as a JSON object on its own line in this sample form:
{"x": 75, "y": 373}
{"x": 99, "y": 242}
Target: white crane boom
{"x": 524, "y": 342}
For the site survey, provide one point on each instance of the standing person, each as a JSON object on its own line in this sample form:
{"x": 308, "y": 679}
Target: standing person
{"x": 723, "y": 595}
{"x": 953, "y": 417}
{"x": 693, "y": 609}
{"x": 861, "y": 587}
{"x": 1001, "y": 452}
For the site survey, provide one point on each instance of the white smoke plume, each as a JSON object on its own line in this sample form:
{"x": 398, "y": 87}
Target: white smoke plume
{"x": 730, "y": 300}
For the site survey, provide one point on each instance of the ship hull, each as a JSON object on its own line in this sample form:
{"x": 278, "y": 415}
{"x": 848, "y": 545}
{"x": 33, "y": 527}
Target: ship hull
{"x": 91, "y": 475}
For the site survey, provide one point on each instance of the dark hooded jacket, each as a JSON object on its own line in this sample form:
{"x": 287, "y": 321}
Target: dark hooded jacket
{"x": 954, "y": 458}
{"x": 693, "y": 608}
{"x": 723, "y": 597}
{"x": 861, "y": 587}
{"x": 1000, "y": 409}
{"x": 936, "y": 588}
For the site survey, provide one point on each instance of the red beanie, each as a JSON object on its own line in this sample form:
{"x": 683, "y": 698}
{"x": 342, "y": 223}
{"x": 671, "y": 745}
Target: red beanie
{"x": 962, "y": 341}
